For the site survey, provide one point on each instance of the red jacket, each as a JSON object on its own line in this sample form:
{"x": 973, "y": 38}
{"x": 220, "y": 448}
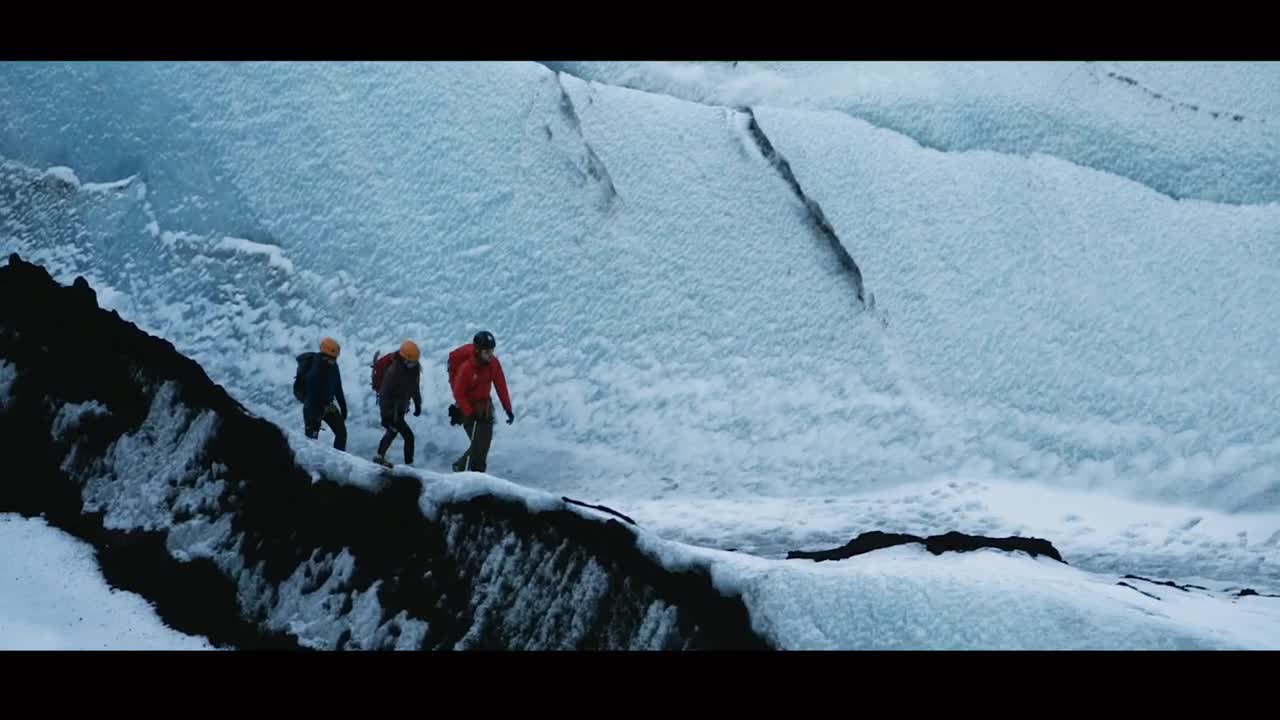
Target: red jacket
{"x": 471, "y": 380}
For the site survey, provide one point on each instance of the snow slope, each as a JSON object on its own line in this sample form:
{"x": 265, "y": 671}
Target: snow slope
{"x": 1111, "y": 338}
{"x": 53, "y": 597}
{"x": 1202, "y": 130}
{"x": 323, "y": 547}
{"x": 678, "y": 338}
{"x": 615, "y": 327}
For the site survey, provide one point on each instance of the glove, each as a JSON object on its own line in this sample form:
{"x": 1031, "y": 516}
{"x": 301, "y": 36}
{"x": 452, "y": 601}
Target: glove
{"x": 455, "y": 415}
{"x": 511, "y": 417}
{"x": 417, "y": 410}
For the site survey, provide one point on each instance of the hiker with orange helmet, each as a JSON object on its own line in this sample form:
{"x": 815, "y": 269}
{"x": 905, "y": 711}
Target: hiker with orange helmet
{"x": 318, "y": 384}
{"x": 401, "y": 383}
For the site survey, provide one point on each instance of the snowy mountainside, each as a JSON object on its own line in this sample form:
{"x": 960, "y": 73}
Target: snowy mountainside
{"x": 256, "y": 538}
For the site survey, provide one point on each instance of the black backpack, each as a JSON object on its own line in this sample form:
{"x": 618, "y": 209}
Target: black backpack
{"x": 300, "y": 379}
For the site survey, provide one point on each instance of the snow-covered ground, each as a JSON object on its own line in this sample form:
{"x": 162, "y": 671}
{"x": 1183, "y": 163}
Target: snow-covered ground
{"x": 1203, "y": 130}
{"x": 1094, "y": 531}
{"x": 1073, "y": 275}
{"x": 53, "y": 597}
{"x": 905, "y": 598}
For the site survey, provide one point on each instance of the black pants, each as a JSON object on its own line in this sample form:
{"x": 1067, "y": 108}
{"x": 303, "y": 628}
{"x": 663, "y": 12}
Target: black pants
{"x": 479, "y": 430}
{"x": 394, "y": 422}
{"x": 331, "y": 417}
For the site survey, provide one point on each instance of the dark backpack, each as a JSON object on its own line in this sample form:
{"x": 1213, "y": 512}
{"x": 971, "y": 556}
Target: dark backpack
{"x": 300, "y": 378}
{"x": 380, "y": 364}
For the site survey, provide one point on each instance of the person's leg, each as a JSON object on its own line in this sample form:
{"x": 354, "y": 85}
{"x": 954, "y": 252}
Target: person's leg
{"x": 480, "y": 442}
{"x": 460, "y": 464}
{"x": 388, "y": 422}
{"x": 310, "y": 425}
{"x": 407, "y": 432}
{"x": 333, "y": 418}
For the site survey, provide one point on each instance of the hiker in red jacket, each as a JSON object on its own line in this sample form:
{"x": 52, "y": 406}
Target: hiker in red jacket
{"x": 473, "y": 370}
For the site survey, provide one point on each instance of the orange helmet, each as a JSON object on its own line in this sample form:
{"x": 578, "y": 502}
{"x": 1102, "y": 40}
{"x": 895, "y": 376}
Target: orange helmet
{"x": 409, "y": 351}
{"x": 330, "y": 347}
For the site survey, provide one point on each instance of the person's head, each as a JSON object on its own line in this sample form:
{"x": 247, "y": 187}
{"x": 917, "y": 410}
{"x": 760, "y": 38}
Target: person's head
{"x": 485, "y": 344}
{"x": 409, "y": 353}
{"x": 330, "y": 349}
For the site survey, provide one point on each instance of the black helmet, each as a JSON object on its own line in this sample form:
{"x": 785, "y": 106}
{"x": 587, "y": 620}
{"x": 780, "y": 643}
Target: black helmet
{"x": 484, "y": 340}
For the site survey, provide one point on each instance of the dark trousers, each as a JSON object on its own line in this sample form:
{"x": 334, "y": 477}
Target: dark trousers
{"x": 479, "y": 431}
{"x": 394, "y": 423}
{"x": 331, "y": 417}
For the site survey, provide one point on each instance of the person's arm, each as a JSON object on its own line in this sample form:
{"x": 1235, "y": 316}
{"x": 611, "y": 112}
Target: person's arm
{"x": 417, "y": 392}
{"x": 459, "y": 387}
{"x": 500, "y": 382}
{"x": 341, "y": 396}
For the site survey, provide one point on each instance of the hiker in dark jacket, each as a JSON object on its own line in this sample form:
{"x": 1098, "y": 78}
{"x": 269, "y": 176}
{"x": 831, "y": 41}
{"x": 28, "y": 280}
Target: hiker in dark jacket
{"x": 401, "y": 384}
{"x": 324, "y": 397}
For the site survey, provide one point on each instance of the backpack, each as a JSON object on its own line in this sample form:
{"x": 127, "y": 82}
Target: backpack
{"x": 300, "y": 378}
{"x": 456, "y": 358}
{"x": 380, "y": 364}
